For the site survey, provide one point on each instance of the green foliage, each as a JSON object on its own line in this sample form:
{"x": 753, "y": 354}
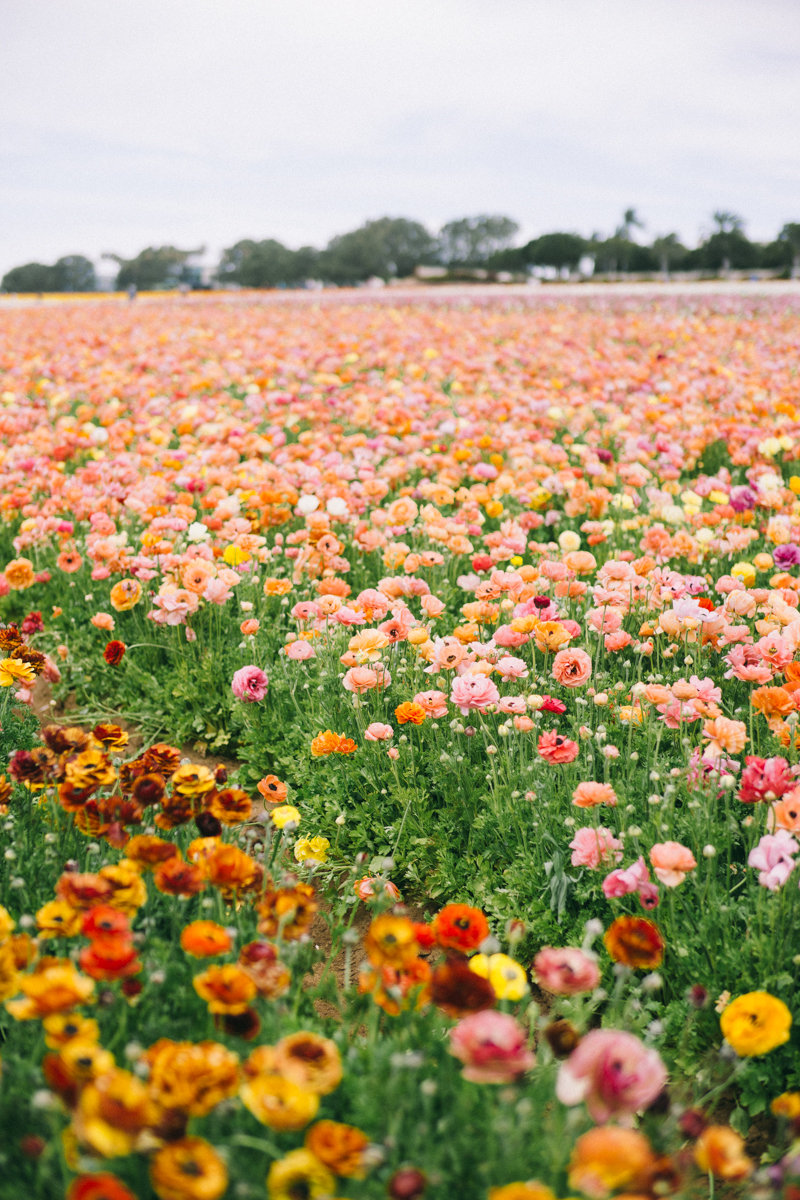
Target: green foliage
{"x": 73, "y": 273}
{"x": 391, "y": 246}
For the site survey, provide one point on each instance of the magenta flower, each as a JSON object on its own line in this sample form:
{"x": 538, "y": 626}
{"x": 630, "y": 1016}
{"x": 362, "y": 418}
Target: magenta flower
{"x": 250, "y": 684}
{"x": 765, "y": 779}
{"x": 492, "y": 1046}
{"x": 613, "y": 1073}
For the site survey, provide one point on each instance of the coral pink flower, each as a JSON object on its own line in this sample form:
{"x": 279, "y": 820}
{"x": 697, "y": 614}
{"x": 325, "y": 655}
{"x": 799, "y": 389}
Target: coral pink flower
{"x": 250, "y": 684}
{"x": 773, "y": 860}
{"x": 775, "y": 652}
{"x": 250, "y": 627}
{"x": 572, "y": 668}
{"x": 523, "y": 724}
{"x": 593, "y": 848}
{"x": 306, "y": 610}
{"x": 617, "y": 641}
{"x": 300, "y": 650}
{"x": 511, "y": 668}
{"x": 473, "y": 691}
{"x": 512, "y": 704}
{"x": 765, "y": 779}
{"x": 605, "y": 620}
{"x": 614, "y": 1073}
{"x": 377, "y": 732}
{"x": 348, "y": 616}
{"x": 103, "y": 620}
{"x": 434, "y": 703}
{"x": 360, "y": 680}
{"x": 432, "y": 606}
{"x": 493, "y": 1047}
{"x": 671, "y": 861}
{"x": 724, "y": 736}
{"x": 365, "y": 888}
{"x": 566, "y": 971}
{"x": 587, "y": 795}
{"x": 504, "y": 635}
{"x": 557, "y": 749}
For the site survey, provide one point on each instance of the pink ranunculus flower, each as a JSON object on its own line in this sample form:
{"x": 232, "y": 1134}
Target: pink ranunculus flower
{"x": 594, "y": 848}
{"x": 250, "y": 684}
{"x": 306, "y": 610}
{"x": 614, "y": 642}
{"x": 434, "y": 703}
{"x": 554, "y": 748}
{"x": 671, "y": 862}
{"x": 473, "y": 691}
{"x": 775, "y": 651}
{"x": 432, "y": 606}
{"x": 348, "y": 616}
{"x": 513, "y": 704}
{"x": 250, "y": 627}
{"x": 217, "y": 591}
{"x": 300, "y": 651}
{"x": 492, "y": 1046}
{"x": 765, "y": 779}
{"x": 626, "y": 880}
{"x": 773, "y": 859}
{"x": 605, "y": 620}
{"x": 523, "y": 724}
{"x": 104, "y": 621}
{"x": 572, "y": 668}
{"x": 504, "y": 635}
{"x": 613, "y": 1073}
{"x": 377, "y": 732}
{"x": 566, "y": 971}
{"x": 360, "y": 680}
{"x": 511, "y": 668}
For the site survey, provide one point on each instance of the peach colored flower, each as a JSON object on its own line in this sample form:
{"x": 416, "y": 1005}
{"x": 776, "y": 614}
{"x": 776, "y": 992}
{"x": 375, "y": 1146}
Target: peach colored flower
{"x": 434, "y": 703}
{"x": 300, "y": 650}
{"x": 572, "y": 668}
{"x": 104, "y": 621}
{"x": 671, "y": 861}
{"x": 724, "y": 736}
{"x": 588, "y": 795}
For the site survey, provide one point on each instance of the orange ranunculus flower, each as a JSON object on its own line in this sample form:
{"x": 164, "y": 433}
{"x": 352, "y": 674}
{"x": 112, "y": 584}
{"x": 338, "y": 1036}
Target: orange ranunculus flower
{"x": 522, "y": 1191}
{"x": 231, "y": 870}
{"x": 100, "y": 1186}
{"x": 58, "y": 918}
{"x": 111, "y": 957}
{"x": 290, "y": 910}
{"x": 83, "y": 890}
{"x": 148, "y": 851}
{"x": 231, "y": 806}
{"x": 272, "y": 789}
{"x": 725, "y": 736}
{"x": 177, "y": 878}
{"x": 161, "y": 759}
{"x": 112, "y": 1111}
{"x": 192, "y": 780}
{"x": 225, "y": 989}
{"x": 391, "y": 941}
{"x": 635, "y": 942}
{"x": 550, "y": 636}
{"x": 395, "y": 989}
{"x": 55, "y": 986}
{"x": 61, "y": 1028}
{"x": 189, "y": 1169}
{"x": 271, "y": 977}
{"x": 128, "y": 890}
{"x": 460, "y": 927}
{"x": 331, "y": 743}
{"x": 340, "y": 1147}
{"x": 309, "y": 1061}
{"x": 205, "y": 939}
{"x": 277, "y": 587}
{"x": 20, "y": 574}
{"x": 772, "y": 701}
{"x": 276, "y": 1101}
{"x": 192, "y": 1077}
{"x": 125, "y": 594}
{"x": 23, "y": 949}
{"x": 720, "y": 1151}
{"x": 409, "y": 713}
{"x": 9, "y": 978}
{"x": 607, "y": 1159}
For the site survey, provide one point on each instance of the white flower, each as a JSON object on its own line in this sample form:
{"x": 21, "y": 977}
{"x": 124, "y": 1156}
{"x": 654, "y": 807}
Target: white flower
{"x": 307, "y": 504}
{"x": 198, "y": 532}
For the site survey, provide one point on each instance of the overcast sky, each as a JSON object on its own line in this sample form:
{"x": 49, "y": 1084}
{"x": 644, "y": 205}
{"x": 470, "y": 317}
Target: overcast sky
{"x": 204, "y": 121}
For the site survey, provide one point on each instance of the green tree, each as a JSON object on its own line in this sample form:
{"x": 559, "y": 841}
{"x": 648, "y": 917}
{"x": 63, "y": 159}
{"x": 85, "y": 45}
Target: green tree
{"x": 790, "y": 235}
{"x": 267, "y": 264}
{"x": 388, "y": 247}
{"x": 728, "y": 247}
{"x": 473, "y": 241}
{"x": 669, "y": 251}
{"x": 73, "y": 273}
{"x": 556, "y": 250}
{"x": 155, "y": 268}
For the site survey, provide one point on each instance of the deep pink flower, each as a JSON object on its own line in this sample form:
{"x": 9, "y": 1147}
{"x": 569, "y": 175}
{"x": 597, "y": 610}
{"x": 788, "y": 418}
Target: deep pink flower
{"x": 765, "y": 779}
{"x": 566, "y": 971}
{"x": 250, "y": 684}
{"x": 493, "y": 1047}
{"x": 614, "y": 1073}
{"x": 625, "y": 881}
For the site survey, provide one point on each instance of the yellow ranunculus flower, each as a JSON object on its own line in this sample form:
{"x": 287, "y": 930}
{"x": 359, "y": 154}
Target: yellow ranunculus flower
{"x": 744, "y": 571}
{"x": 316, "y": 848}
{"x": 14, "y": 670}
{"x": 504, "y": 974}
{"x": 756, "y": 1023}
{"x": 786, "y": 1105}
{"x": 719, "y": 497}
{"x": 234, "y": 555}
{"x": 283, "y": 815}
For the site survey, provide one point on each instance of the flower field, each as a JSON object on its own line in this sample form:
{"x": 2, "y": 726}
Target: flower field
{"x": 400, "y": 780}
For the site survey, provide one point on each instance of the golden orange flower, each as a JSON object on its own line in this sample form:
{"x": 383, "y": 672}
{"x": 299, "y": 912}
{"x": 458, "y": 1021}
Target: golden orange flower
{"x": 410, "y": 713}
{"x": 289, "y": 911}
{"x": 61, "y": 1028}
{"x": 277, "y": 1102}
{"x": 607, "y": 1159}
{"x": 189, "y": 1169}
{"x": 55, "y": 986}
{"x": 177, "y": 878}
{"x": 720, "y": 1151}
{"x": 550, "y": 636}
{"x": 772, "y": 702}
{"x": 231, "y": 806}
{"x": 20, "y": 574}
{"x": 725, "y": 735}
{"x": 128, "y": 890}
{"x": 635, "y": 942}
{"x": 192, "y": 780}
{"x": 147, "y": 851}
{"x": 231, "y": 870}
{"x": 192, "y": 1077}
{"x": 340, "y": 1147}
{"x": 205, "y": 939}
{"x": 391, "y": 941}
{"x": 309, "y": 1061}
{"x": 331, "y": 743}
{"x": 226, "y": 989}
{"x": 112, "y": 1112}
{"x": 125, "y": 595}
{"x": 57, "y": 918}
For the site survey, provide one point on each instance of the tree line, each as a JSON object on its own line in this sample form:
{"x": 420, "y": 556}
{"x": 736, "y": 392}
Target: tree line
{"x": 395, "y": 247}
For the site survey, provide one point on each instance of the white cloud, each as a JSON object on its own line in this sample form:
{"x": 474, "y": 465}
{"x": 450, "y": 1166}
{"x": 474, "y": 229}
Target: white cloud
{"x": 196, "y": 121}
